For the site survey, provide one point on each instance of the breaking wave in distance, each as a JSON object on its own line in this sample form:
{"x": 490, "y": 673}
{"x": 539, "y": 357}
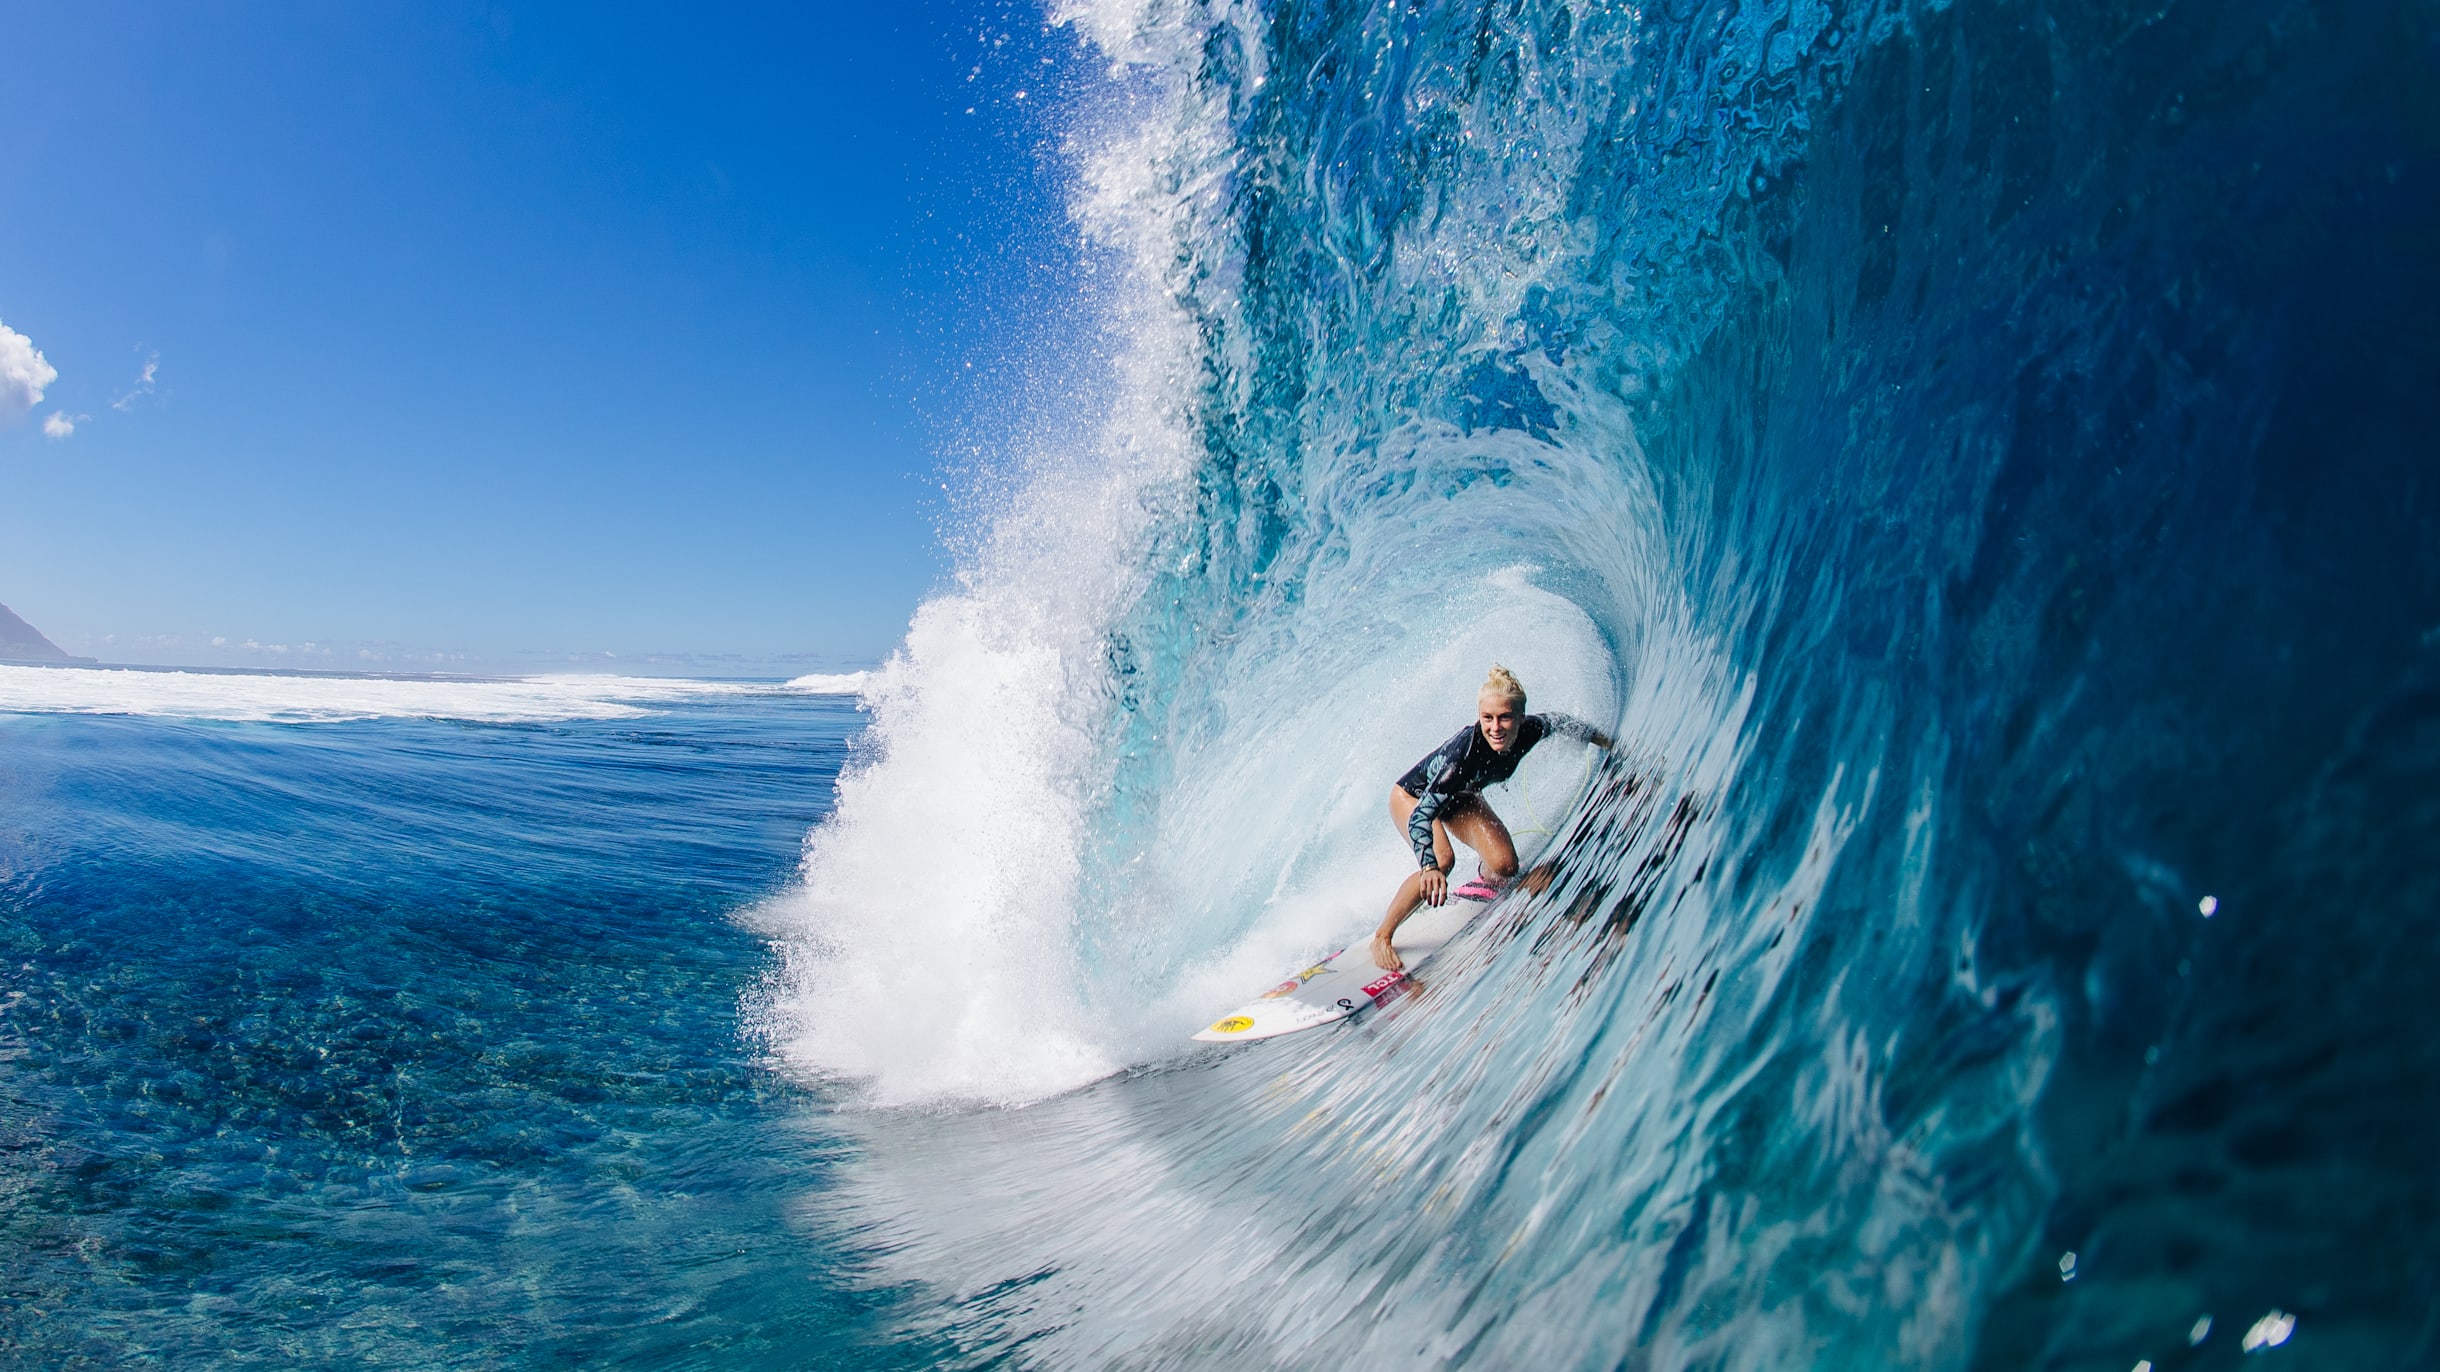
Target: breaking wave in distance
{"x": 301, "y": 698}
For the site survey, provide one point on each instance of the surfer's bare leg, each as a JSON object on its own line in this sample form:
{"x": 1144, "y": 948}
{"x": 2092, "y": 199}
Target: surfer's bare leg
{"x": 1411, "y": 893}
{"x": 1475, "y": 826}
{"x": 1424, "y": 884}
{"x": 1479, "y": 829}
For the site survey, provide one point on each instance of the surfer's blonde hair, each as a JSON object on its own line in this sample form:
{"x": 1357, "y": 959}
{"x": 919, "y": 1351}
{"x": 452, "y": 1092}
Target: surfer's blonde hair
{"x": 1504, "y": 684}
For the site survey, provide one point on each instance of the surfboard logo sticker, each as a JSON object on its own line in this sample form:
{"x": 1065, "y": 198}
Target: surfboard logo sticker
{"x": 1289, "y": 986}
{"x": 1234, "y": 1024}
{"x": 1299, "y": 980}
{"x": 1374, "y": 988}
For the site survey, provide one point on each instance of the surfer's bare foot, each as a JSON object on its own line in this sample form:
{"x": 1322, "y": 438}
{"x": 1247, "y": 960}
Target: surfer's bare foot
{"x": 1385, "y": 956}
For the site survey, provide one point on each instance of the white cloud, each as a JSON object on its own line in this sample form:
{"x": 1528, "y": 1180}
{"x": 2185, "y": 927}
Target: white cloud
{"x": 60, "y": 423}
{"x": 143, "y": 386}
{"x": 23, "y": 374}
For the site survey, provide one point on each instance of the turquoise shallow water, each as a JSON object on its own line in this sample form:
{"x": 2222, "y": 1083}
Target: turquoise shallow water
{"x": 408, "y": 1043}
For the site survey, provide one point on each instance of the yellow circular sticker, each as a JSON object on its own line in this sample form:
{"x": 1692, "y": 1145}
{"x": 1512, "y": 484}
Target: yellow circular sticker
{"x": 1234, "y": 1024}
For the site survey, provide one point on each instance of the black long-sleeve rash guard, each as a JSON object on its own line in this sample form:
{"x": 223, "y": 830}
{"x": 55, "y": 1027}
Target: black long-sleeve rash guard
{"x": 1468, "y": 763}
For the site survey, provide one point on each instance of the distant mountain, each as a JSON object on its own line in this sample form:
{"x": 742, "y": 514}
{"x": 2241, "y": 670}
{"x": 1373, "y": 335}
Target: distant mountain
{"x": 22, "y": 642}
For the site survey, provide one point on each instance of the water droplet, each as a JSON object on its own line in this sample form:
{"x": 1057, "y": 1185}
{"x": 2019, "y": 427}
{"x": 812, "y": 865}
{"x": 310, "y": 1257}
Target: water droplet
{"x": 2270, "y": 1331}
{"x": 2200, "y": 1332}
{"x": 2209, "y": 905}
{"x": 2067, "y": 1267}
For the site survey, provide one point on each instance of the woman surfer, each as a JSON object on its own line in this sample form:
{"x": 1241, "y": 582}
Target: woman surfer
{"x": 1442, "y": 796}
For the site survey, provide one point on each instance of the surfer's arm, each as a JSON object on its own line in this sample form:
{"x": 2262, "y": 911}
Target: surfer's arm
{"x": 1557, "y": 723}
{"x": 1419, "y": 825}
{"x": 1432, "y": 797}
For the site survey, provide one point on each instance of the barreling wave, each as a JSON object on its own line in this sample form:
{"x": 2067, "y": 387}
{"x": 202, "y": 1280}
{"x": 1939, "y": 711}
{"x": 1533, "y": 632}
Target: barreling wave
{"x": 1891, "y": 420}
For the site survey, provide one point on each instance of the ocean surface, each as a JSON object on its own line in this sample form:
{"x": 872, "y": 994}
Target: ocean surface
{"x": 355, "y": 1022}
{"x": 1978, "y": 458}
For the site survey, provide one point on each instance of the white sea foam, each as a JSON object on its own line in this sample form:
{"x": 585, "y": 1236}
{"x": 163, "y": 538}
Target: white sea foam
{"x": 933, "y": 949}
{"x": 831, "y": 684}
{"x": 278, "y": 698}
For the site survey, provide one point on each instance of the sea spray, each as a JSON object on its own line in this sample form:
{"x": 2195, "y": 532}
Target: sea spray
{"x": 932, "y": 950}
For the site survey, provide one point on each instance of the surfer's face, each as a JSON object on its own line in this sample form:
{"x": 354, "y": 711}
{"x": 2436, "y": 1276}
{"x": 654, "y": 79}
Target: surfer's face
{"x": 1497, "y": 717}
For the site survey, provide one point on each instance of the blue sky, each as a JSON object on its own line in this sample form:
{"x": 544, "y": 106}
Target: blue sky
{"x": 516, "y": 333}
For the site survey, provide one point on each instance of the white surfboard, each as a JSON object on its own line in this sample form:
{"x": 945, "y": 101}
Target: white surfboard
{"x": 1347, "y": 981}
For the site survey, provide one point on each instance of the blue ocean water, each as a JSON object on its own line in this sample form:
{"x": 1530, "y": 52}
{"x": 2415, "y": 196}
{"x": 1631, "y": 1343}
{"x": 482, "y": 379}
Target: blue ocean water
{"x": 1977, "y": 459}
{"x": 405, "y": 1042}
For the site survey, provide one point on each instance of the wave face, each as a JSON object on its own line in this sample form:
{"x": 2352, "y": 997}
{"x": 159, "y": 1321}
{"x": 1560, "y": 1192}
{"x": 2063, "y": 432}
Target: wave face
{"x": 1976, "y": 456}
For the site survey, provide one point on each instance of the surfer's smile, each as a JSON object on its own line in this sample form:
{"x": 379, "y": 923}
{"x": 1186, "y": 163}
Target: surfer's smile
{"x": 1498, "y": 716}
